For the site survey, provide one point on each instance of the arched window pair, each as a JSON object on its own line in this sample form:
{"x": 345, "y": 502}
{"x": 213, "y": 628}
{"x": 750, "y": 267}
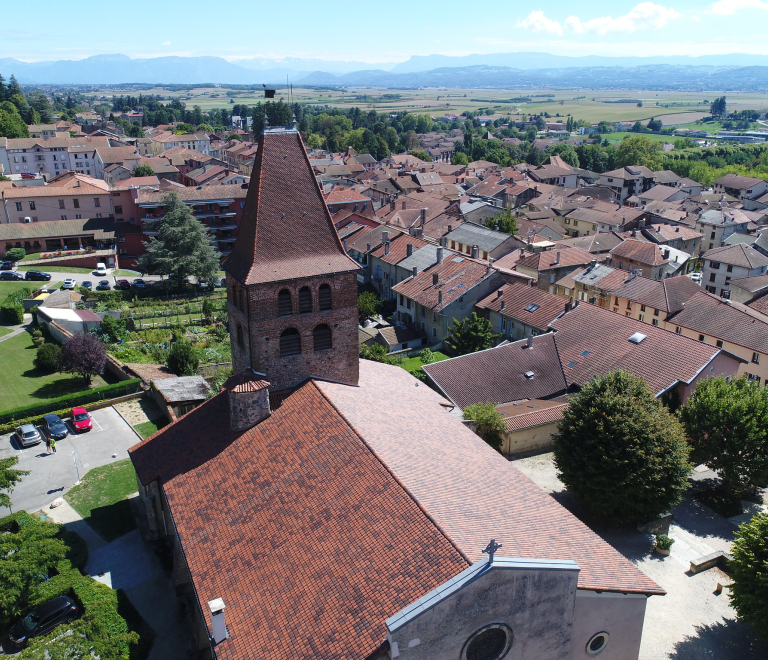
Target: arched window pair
{"x": 238, "y": 297}
{"x": 285, "y": 302}
{"x": 290, "y": 340}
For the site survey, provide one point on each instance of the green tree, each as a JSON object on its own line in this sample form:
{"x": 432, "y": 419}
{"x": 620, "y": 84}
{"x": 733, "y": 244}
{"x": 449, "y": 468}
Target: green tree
{"x": 749, "y": 572}
{"x": 460, "y": 158}
{"x": 206, "y": 128}
{"x": 567, "y": 153}
{"x": 718, "y": 107}
{"x": 48, "y": 357}
{"x": 621, "y": 450}
{"x": 16, "y": 254}
{"x": 368, "y": 304}
{"x": 504, "y": 221}
{"x": 12, "y": 125}
{"x": 143, "y": 170}
{"x": 183, "y": 245}
{"x": 375, "y": 352}
{"x": 423, "y": 155}
{"x": 182, "y": 359}
{"x": 112, "y": 330}
{"x": 29, "y": 550}
{"x": 727, "y": 423}
{"x": 9, "y": 477}
{"x": 474, "y": 333}
{"x": 489, "y": 424}
{"x": 639, "y": 150}
{"x": 184, "y": 128}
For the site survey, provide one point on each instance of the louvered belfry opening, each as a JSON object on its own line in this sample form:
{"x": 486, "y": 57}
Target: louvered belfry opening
{"x": 305, "y": 300}
{"x": 324, "y": 297}
{"x": 284, "y": 307}
{"x": 323, "y": 338}
{"x": 290, "y": 342}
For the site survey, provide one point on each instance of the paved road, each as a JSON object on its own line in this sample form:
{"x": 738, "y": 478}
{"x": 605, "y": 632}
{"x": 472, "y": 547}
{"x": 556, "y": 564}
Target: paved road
{"x": 53, "y": 474}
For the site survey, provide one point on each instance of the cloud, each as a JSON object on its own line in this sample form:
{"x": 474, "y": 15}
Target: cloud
{"x": 730, "y": 7}
{"x": 537, "y": 22}
{"x": 166, "y": 43}
{"x": 646, "y": 15}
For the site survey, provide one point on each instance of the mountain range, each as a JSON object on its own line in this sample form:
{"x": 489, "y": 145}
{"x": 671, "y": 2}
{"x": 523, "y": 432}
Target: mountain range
{"x": 713, "y": 72}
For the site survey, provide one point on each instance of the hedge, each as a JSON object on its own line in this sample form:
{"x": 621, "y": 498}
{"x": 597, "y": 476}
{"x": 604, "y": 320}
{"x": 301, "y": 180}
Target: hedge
{"x": 68, "y": 401}
{"x": 12, "y": 313}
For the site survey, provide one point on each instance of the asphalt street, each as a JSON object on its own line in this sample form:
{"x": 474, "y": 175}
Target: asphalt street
{"x": 51, "y": 475}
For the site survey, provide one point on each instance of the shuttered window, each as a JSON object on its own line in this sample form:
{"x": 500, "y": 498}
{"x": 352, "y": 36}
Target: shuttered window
{"x": 284, "y": 307}
{"x": 324, "y": 297}
{"x": 305, "y": 300}
{"x": 322, "y": 337}
{"x": 290, "y": 342}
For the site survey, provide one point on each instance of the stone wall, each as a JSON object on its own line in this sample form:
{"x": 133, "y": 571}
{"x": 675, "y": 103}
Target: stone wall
{"x": 262, "y": 326}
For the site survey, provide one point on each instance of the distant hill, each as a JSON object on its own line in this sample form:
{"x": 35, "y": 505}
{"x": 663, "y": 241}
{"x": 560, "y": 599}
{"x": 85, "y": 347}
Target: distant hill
{"x": 505, "y": 70}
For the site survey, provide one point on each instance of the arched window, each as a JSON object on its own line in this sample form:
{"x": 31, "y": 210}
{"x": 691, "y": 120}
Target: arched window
{"x": 324, "y": 296}
{"x": 322, "y": 337}
{"x": 290, "y": 342}
{"x": 242, "y": 300}
{"x": 233, "y": 296}
{"x": 240, "y": 342}
{"x": 305, "y": 300}
{"x": 284, "y": 306}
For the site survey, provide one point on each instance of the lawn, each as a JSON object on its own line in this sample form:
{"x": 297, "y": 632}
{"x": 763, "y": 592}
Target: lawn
{"x": 415, "y": 364}
{"x": 57, "y": 269}
{"x": 11, "y": 287}
{"x": 146, "y": 429}
{"x": 101, "y": 499}
{"x": 23, "y": 385}
{"x": 5, "y": 331}
{"x": 124, "y": 272}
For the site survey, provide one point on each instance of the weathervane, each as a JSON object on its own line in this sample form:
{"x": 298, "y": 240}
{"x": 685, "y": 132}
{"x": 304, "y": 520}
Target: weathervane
{"x": 491, "y": 549}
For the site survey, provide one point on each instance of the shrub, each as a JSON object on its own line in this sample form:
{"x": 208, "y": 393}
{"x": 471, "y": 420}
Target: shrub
{"x": 48, "y": 357}
{"x": 220, "y": 332}
{"x": 112, "y": 330}
{"x": 16, "y": 254}
{"x": 663, "y": 542}
{"x": 621, "y": 450}
{"x": 182, "y": 359}
{"x": 489, "y": 424}
{"x": 375, "y": 352}
{"x": 12, "y": 313}
{"x": 426, "y": 356}
{"x": 37, "y": 338}
{"x": 749, "y": 570}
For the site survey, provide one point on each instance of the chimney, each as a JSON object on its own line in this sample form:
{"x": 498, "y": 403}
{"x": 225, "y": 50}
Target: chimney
{"x": 434, "y": 278}
{"x": 415, "y": 272}
{"x": 440, "y": 255}
{"x": 248, "y": 401}
{"x": 569, "y": 305}
{"x": 450, "y": 229}
{"x": 490, "y": 266}
{"x": 385, "y": 236}
{"x": 392, "y": 205}
{"x": 499, "y": 293}
{"x": 557, "y": 258}
{"x": 403, "y": 205}
{"x": 218, "y": 626}
{"x": 423, "y": 216}
{"x": 345, "y": 245}
{"x": 386, "y": 248}
{"x": 530, "y": 342}
{"x": 475, "y": 251}
{"x": 503, "y": 305}
{"x": 409, "y": 249}
{"x": 439, "y": 297}
{"x": 367, "y": 247}
{"x": 666, "y": 253}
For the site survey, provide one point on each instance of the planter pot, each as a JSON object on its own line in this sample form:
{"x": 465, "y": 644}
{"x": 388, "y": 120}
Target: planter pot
{"x": 662, "y": 551}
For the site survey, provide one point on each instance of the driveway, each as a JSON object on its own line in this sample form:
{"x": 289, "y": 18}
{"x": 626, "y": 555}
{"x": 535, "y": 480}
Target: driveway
{"x": 51, "y": 475}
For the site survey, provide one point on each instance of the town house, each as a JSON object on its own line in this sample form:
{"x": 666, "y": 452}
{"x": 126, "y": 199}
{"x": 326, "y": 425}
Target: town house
{"x": 733, "y": 262}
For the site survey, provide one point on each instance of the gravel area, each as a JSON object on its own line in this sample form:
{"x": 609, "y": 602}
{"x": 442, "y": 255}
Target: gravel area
{"x": 138, "y": 411}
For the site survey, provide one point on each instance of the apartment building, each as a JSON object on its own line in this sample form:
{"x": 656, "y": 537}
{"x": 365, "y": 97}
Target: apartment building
{"x": 199, "y": 142}
{"x": 51, "y": 156}
{"x": 732, "y": 262}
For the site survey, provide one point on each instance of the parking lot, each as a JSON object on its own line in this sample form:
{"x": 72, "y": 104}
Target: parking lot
{"x": 51, "y": 475}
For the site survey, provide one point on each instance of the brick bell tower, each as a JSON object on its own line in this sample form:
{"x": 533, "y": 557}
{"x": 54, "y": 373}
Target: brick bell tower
{"x": 291, "y": 287}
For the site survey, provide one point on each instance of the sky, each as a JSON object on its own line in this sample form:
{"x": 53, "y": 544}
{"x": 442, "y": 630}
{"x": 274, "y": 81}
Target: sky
{"x": 376, "y": 32}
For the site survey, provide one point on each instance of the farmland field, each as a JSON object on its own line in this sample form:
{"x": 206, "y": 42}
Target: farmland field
{"x": 675, "y": 108}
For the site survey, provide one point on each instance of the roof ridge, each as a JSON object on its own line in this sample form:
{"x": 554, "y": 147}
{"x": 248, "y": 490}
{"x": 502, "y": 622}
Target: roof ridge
{"x": 397, "y": 479}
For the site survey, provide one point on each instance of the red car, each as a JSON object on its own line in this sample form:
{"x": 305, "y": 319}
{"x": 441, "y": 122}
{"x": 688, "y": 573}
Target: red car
{"x": 125, "y": 285}
{"x": 81, "y": 420}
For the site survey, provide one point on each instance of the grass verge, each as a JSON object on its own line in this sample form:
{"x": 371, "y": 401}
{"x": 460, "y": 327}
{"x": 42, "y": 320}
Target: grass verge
{"x": 5, "y": 331}
{"x": 413, "y": 364}
{"x": 145, "y": 429}
{"x": 101, "y": 499}
{"x": 57, "y": 269}
{"x": 124, "y": 272}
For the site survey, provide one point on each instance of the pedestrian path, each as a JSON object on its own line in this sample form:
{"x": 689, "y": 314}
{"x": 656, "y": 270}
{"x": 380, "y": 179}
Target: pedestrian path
{"x": 17, "y": 330}
{"x": 713, "y": 530}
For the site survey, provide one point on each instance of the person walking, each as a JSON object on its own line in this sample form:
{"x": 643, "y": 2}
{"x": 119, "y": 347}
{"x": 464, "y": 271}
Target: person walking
{"x": 53, "y": 445}
{"x": 47, "y": 445}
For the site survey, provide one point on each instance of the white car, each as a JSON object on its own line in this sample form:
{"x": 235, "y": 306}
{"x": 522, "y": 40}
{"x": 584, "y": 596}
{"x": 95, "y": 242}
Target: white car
{"x": 69, "y": 284}
{"x": 101, "y": 269}
{"x": 696, "y": 277}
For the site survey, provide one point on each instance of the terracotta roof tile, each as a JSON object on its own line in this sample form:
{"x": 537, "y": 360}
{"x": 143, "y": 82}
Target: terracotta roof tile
{"x": 531, "y": 418}
{"x": 398, "y": 248}
{"x": 571, "y": 256}
{"x": 640, "y": 251}
{"x": 518, "y": 299}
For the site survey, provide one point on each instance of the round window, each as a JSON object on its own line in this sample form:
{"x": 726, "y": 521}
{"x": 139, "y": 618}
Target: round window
{"x": 489, "y": 643}
{"x": 597, "y": 643}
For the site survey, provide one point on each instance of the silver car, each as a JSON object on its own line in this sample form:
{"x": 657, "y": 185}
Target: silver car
{"x": 28, "y": 435}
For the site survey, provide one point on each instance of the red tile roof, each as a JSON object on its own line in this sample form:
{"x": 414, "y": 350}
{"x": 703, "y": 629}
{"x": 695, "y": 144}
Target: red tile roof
{"x": 286, "y": 230}
{"x": 640, "y": 251}
{"x": 548, "y": 259}
{"x": 518, "y": 297}
{"x": 531, "y": 418}
{"x": 398, "y": 247}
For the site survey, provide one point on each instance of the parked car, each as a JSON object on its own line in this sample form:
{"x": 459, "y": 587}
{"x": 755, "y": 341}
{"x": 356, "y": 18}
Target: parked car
{"x": 219, "y": 282}
{"x": 124, "y": 285}
{"x": 138, "y": 283}
{"x": 101, "y": 269}
{"x": 54, "y": 427}
{"x": 87, "y": 284}
{"x": 11, "y": 275}
{"x": 695, "y": 277}
{"x": 81, "y": 420}
{"x": 28, "y": 435}
{"x": 103, "y": 285}
{"x": 37, "y": 275}
{"x": 43, "y": 619}
{"x": 27, "y": 175}
{"x": 8, "y": 265}
{"x": 69, "y": 283}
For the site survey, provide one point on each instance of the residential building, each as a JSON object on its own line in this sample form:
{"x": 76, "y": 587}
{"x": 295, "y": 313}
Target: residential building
{"x": 384, "y": 260}
{"x": 733, "y": 262}
{"x": 628, "y": 181}
{"x": 51, "y": 156}
{"x": 649, "y": 259}
{"x": 744, "y": 188}
{"x": 380, "y": 511}
{"x": 200, "y": 142}
{"x": 716, "y": 225}
{"x": 746, "y": 289}
{"x": 680, "y": 237}
{"x": 478, "y": 241}
{"x": 550, "y": 266}
{"x": 519, "y": 310}
{"x": 127, "y": 157}
{"x": 61, "y": 235}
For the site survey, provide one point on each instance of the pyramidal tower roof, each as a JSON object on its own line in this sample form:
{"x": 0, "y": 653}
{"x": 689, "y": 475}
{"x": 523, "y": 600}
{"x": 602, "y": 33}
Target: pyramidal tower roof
{"x": 286, "y": 231}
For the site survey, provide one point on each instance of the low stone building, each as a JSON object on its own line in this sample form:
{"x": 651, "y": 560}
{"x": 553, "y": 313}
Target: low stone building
{"x": 178, "y": 395}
